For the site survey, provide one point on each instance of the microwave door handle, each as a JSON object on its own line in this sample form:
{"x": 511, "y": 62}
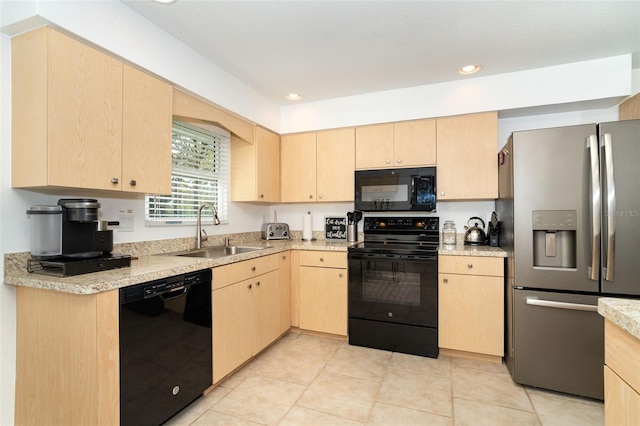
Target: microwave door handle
{"x": 609, "y": 261}
{"x": 592, "y": 146}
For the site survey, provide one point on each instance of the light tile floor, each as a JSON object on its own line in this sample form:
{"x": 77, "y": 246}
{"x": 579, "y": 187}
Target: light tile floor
{"x": 315, "y": 380}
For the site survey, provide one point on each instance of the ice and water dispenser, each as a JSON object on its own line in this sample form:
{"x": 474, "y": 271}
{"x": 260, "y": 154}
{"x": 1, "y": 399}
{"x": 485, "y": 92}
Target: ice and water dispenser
{"x": 554, "y": 238}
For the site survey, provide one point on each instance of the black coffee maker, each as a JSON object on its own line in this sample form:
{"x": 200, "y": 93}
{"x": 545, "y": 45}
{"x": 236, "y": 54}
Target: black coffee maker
{"x": 83, "y": 235}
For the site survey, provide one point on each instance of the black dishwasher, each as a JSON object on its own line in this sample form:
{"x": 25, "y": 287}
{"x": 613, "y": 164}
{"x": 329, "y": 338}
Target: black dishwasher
{"x": 165, "y": 347}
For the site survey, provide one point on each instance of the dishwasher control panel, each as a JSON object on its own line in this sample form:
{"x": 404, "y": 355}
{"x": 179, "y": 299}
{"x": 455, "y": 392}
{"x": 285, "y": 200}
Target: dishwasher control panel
{"x": 163, "y": 285}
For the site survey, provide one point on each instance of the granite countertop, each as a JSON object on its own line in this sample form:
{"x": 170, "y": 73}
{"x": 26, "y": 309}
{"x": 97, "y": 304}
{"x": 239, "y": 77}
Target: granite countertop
{"x": 624, "y": 313}
{"x": 460, "y": 249}
{"x": 146, "y": 268}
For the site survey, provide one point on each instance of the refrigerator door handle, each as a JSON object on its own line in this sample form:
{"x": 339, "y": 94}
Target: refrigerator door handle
{"x": 609, "y": 260}
{"x": 593, "y": 270}
{"x": 560, "y": 305}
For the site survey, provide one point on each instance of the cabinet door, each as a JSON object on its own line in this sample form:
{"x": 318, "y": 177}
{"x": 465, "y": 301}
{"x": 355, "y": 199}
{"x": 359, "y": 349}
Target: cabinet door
{"x": 621, "y": 401}
{"x": 56, "y": 362}
{"x": 467, "y": 149}
{"x": 285, "y": 291}
{"x": 335, "y": 164}
{"x": 266, "y": 310}
{"x": 471, "y": 313}
{"x": 85, "y": 115}
{"x": 267, "y": 165}
{"x": 323, "y": 300}
{"x": 232, "y": 328}
{"x": 298, "y": 167}
{"x": 415, "y": 143}
{"x": 374, "y": 146}
{"x": 146, "y": 133}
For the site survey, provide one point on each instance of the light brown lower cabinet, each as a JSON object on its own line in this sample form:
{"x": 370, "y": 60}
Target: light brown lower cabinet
{"x": 471, "y": 306}
{"x": 246, "y": 304}
{"x": 67, "y": 366}
{"x": 285, "y": 291}
{"x": 621, "y": 377}
{"x": 323, "y": 292}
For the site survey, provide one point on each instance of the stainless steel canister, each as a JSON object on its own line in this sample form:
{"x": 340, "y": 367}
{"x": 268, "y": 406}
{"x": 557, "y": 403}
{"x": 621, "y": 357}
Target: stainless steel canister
{"x": 46, "y": 231}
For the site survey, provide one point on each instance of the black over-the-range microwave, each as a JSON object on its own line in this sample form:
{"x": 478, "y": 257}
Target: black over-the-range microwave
{"x": 396, "y": 189}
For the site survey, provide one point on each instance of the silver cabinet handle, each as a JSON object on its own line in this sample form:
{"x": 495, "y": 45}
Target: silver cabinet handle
{"x": 595, "y": 208}
{"x": 611, "y": 209}
{"x": 114, "y": 181}
{"x": 561, "y": 305}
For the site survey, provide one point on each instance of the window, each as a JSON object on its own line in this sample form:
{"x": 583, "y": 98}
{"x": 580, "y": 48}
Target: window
{"x": 200, "y": 174}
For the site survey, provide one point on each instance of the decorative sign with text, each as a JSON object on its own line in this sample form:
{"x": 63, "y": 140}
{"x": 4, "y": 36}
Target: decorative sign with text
{"x": 335, "y": 228}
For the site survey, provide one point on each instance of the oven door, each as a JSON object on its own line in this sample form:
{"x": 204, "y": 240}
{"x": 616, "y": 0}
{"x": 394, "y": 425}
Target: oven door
{"x": 393, "y": 303}
{"x": 394, "y": 288}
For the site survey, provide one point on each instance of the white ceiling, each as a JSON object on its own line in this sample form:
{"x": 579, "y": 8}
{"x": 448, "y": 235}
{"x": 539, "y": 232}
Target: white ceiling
{"x": 330, "y": 49}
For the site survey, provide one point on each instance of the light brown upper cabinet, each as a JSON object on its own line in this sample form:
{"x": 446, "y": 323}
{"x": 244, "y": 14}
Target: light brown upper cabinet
{"x": 630, "y": 108}
{"x": 298, "y": 167}
{"x": 394, "y": 145}
{"x": 79, "y": 114}
{"x": 146, "y": 133}
{"x": 318, "y": 166}
{"x": 255, "y": 167}
{"x": 335, "y": 160}
{"x": 467, "y": 157}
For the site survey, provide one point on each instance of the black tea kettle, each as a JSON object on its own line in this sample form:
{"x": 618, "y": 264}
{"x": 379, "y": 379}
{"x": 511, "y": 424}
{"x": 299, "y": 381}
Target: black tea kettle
{"x": 474, "y": 234}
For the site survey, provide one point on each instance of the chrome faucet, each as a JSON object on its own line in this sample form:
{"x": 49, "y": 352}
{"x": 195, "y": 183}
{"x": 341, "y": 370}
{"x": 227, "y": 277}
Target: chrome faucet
{"x": 199, "y": 230}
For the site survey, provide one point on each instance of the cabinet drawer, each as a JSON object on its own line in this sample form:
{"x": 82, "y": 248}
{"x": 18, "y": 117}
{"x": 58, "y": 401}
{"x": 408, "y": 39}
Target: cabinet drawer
{"x": 244, "y": 270}
{"x": 471, "y": 265}
{"x": 323, "y": 259}
{"x": 622, "y": 353}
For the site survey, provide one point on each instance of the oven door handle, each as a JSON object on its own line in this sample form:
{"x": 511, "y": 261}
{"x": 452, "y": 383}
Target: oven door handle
{"x": 362, "y": 256}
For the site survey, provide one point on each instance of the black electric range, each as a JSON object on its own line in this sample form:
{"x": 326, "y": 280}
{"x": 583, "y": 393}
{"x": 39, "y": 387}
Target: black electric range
{"x": 393, "y": 285}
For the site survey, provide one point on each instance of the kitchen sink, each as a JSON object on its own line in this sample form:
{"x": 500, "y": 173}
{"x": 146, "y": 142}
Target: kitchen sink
{"x": 218, "y": 251}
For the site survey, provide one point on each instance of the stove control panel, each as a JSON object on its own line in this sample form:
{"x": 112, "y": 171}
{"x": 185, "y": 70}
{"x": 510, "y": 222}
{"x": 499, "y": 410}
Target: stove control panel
{"x": 401, "y": 224}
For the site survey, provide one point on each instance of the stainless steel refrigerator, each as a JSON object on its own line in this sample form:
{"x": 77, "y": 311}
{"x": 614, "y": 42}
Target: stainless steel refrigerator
{"x": 569, "y": 205}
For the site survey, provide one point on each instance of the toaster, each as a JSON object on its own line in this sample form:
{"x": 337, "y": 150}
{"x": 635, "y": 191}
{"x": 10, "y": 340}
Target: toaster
{"x": 275, "y": 231}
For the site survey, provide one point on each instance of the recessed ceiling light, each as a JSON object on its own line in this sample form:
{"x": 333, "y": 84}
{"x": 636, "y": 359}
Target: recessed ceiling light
{"x": 469, "y": 69}
{"x": 294, "y": 96}
{"x": 165, "y": 1}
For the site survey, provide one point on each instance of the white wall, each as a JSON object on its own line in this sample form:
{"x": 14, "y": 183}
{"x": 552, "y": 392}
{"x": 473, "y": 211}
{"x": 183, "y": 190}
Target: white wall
{"x": 117, "y": 28}
{"x": 570, "y": 84}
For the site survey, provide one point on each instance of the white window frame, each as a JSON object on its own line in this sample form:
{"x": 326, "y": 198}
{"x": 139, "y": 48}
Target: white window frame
{"x": 185, "y": 135}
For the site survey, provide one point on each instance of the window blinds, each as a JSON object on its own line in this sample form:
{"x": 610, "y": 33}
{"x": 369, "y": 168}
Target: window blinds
{"x": 200, "y": 170}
